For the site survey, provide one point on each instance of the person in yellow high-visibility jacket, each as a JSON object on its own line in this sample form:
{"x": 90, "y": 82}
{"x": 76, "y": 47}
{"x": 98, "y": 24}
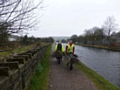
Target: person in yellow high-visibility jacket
{"x": 59, "y": 48}
{"x": 70, "y": 47}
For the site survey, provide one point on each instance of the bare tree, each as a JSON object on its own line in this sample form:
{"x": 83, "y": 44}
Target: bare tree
{"x": 18, "y": 15}
{"x": 109, "y": 26}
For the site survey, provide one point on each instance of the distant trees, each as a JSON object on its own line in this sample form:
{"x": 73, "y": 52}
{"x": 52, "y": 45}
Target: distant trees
{"x": 64, "y": 41}
{"x": 105, "y": 35}
{"x": 25, "y": 40}
{"x": 99, "y": 34}
{"x": 74, "y": 38}
{"x": 47, "y": 40}
{"x": 94, "y": 35}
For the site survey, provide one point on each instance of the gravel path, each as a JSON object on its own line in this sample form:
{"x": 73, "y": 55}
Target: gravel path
{"x": 61, "y": 78}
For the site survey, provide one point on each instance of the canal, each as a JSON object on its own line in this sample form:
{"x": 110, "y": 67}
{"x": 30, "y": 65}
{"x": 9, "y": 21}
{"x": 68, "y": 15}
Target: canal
{"x": 104, "y": 62}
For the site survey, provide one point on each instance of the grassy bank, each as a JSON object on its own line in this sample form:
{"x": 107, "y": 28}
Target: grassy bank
{"x": 100, "y": 82}
{"x": 40, "y": 79}
{"x": 100, "y": 47}
{"x": 16, "y": 50}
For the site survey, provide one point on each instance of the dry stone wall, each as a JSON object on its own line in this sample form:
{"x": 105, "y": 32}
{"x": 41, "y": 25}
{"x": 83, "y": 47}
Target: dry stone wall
{"x": 17, "y": 71}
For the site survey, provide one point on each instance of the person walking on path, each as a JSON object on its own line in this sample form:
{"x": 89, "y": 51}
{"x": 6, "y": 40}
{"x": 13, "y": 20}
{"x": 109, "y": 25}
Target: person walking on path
{"x": 59, "y": 47}
{"x": 59, "y": 50}
{"x": 60, "y": 78}
{"x": 70, "y": 47}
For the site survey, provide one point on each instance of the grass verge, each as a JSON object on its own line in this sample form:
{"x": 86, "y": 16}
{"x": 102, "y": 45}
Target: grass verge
{"x": 40, "y": 79}
{"x": 99, "y": 81}
{"x": 100, "y": 47}
{"x": 17, "y": 50}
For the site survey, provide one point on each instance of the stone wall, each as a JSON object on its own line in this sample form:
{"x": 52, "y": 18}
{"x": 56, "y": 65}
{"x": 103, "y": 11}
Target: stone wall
{"x": 17, "y": 71}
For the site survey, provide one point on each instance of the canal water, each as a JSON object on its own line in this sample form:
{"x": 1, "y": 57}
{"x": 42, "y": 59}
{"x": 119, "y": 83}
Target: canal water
{"x": 104, "y": 62}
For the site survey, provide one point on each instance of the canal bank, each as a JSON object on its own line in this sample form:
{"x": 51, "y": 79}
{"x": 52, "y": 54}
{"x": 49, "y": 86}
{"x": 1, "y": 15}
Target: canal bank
{"x": 80, "y": 78}
{"x": 104, "y": 62}
{"x": 101, "y": 47}
{"x": 98, "y": 80}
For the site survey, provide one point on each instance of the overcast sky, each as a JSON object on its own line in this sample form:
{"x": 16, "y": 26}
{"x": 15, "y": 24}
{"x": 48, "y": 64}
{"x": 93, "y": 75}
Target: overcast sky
{"x": 68, "y": 17}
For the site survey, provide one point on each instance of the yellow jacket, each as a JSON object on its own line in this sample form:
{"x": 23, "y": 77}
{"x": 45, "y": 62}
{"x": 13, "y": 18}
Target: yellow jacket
{"x": 70, "y": 48}
{"x": 63, "y": 49}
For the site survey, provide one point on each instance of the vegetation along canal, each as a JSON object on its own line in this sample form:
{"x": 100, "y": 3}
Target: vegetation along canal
{"x": 104, "y": 62}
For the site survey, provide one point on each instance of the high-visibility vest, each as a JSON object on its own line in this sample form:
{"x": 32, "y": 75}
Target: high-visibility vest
{"x": 70, "y": 48}
{"x": 62, "y": 49}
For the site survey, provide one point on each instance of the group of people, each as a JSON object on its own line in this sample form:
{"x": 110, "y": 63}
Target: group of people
{"x": 70, "y": 47}
{"x": 68, "y": 52}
